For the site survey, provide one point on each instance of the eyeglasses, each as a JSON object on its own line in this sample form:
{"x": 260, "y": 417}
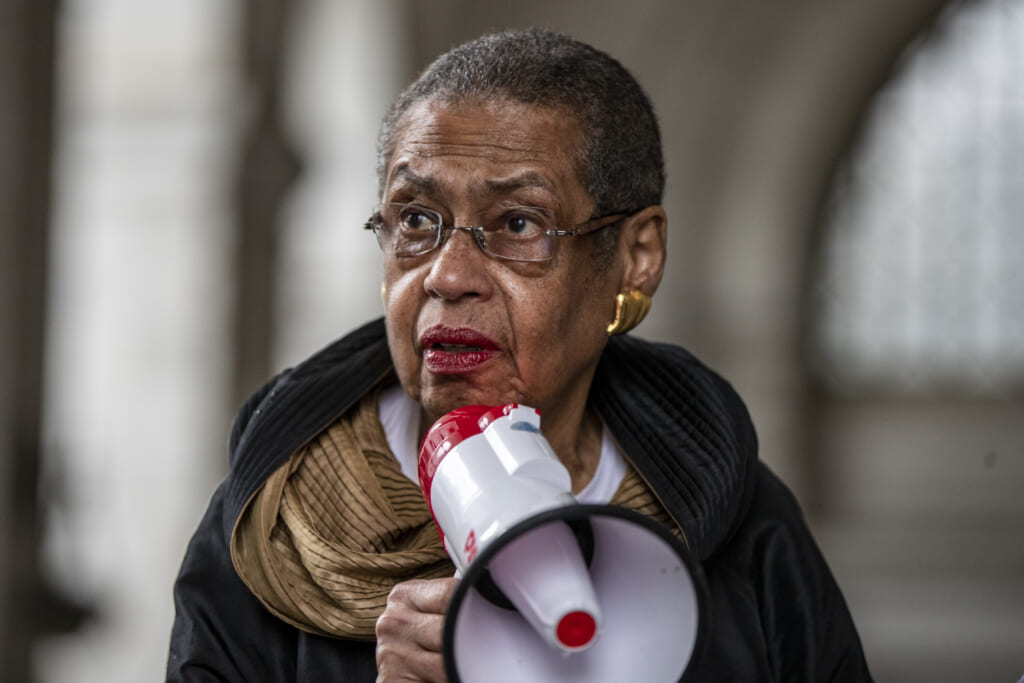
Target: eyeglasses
{"x": 515, "y": 233}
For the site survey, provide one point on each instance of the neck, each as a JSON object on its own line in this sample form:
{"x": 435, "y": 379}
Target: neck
{"x": 575, "y": 435}
{"x": 580, "y": 450}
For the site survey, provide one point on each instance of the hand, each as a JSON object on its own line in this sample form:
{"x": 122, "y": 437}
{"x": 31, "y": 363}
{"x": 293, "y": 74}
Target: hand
{"x": 409, "y": 632}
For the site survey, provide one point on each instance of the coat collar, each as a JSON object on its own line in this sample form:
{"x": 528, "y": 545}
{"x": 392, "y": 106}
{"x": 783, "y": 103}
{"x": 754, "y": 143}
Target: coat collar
{"x": 681, "y": 425}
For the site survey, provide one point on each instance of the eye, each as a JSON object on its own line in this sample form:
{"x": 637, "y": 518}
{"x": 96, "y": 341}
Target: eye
{"x": 522, "y": 223}
{"x": 518, "y": 225}
{"x": 415, "y": 219}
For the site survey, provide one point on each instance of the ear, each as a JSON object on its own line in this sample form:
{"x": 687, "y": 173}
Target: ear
{"x": 643, "y": 244}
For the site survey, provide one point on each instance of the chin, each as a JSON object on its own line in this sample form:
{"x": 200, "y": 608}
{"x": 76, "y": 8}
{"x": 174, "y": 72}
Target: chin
{"x": 438, "y": 400}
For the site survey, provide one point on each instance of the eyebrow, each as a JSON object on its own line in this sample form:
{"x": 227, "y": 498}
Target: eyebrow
{"x": 519, "y": 181}
{"x": 415, "y": 180}
{"x": 427, "y": 185}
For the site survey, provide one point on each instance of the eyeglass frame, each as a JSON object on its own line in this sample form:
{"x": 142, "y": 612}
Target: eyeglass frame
{"x": 376, "y": 221}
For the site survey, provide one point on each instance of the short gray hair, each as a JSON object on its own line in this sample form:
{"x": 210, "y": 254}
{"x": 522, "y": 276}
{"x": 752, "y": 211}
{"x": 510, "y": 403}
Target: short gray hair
{"x": 621, "y": 164}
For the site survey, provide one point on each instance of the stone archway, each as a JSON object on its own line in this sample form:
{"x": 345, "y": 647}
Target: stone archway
{"x": 914, "y": 328}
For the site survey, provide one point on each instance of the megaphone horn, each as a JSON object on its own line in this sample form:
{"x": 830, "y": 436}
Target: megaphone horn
{"x": 600, "y": 593}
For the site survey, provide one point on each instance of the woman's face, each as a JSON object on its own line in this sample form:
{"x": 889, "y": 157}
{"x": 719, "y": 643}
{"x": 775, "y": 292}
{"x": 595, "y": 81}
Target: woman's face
{"x": 467, "y": 328}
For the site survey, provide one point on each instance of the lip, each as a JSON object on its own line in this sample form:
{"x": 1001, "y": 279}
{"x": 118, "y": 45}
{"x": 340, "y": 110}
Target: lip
{"x": 455, "y": 350}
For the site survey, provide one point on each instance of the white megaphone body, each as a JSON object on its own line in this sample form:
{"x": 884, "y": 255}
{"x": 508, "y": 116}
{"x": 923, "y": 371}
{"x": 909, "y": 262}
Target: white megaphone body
{"x": 550, "y": 590}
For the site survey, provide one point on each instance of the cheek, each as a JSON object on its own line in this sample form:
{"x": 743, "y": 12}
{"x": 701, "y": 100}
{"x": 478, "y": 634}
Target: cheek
{"x": 588, "y": 299}
{"x": 402, "y": 301}
{"x": 403, "y": 291}
{"x": 559, "y": 322}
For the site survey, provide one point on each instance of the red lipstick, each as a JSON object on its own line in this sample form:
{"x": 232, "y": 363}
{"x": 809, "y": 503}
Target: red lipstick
{"x": 449, "y": 351}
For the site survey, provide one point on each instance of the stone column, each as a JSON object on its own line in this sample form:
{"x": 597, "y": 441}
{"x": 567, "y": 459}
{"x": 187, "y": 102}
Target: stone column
{"x": 26, "y": 114}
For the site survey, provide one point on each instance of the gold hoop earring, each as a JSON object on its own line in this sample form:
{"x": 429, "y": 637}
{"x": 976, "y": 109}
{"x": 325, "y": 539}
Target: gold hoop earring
{"x": 630, "y": 308}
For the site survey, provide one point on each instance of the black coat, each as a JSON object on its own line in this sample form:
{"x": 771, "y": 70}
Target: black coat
{"x": 776, "y": 613}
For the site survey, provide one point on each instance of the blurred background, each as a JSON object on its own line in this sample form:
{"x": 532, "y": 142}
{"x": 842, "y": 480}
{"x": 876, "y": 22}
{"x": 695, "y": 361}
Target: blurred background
{"x": 182, "y": 187}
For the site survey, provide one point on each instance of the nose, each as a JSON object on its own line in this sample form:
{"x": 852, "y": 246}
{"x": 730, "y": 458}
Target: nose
{"x": 458, "y": 269}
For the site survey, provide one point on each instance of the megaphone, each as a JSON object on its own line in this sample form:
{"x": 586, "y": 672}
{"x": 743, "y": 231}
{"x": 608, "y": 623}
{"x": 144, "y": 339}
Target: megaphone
{"x": 550, "y": 589}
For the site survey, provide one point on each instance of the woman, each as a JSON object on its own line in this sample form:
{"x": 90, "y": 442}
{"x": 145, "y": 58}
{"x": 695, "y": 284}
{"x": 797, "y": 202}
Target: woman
{"x": 522, "y": 233}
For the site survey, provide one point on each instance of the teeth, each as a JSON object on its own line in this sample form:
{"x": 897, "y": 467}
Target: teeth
{"x": 455, "y": 348}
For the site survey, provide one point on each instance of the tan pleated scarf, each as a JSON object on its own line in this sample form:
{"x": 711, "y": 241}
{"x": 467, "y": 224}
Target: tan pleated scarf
{"x": 332, "y": 530}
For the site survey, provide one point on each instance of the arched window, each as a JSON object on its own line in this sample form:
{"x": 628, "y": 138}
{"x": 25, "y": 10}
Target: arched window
{"x": 922, "y": 286}
{"x": 918, "y": 338}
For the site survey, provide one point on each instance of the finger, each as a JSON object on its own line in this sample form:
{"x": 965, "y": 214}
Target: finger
{"x": 401, "y": 662}
{"x": 408, "y": 639}
{"x": 430, "y": 596}
{"x": 403, "y": 624}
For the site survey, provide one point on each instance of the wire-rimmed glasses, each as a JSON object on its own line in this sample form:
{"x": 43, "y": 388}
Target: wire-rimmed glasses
{"x": 515, "y": 233}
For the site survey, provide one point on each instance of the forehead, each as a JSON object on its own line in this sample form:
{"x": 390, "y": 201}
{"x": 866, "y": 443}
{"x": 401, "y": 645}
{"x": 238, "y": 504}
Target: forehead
{"x": 486, "y": 147}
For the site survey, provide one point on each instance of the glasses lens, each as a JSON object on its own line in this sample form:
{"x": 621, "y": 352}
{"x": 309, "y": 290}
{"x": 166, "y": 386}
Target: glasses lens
{"x": 407, "y": 229}
{"x": 520, "y": 233}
